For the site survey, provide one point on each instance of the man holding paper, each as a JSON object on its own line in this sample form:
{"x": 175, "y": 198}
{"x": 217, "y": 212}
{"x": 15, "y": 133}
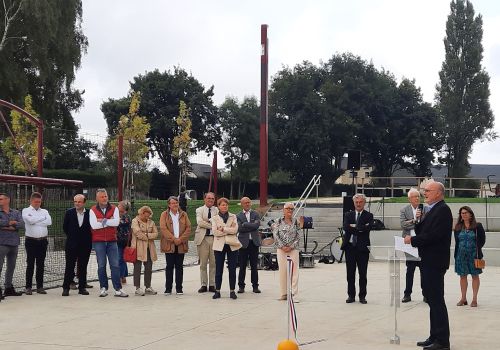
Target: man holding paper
{"x": 408, "y": 218}
{"x": 433, "y": 240}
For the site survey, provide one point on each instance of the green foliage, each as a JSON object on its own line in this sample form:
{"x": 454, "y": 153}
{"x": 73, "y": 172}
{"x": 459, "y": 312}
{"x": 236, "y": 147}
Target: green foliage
{"x": 94, "y": 178}
{"x": 318, "y": 113}
{"x": 463, "y": 91}
{"x": 161, "y": 94}
{"x": 43, "y": 64}
{"x": 240, "y": 141}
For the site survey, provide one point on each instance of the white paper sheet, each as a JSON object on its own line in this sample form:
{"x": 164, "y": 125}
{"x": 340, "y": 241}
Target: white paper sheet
{"x": 399, "y": 244}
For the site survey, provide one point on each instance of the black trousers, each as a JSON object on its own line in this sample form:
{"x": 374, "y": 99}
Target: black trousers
{"x": 232, "y": 260}
{"x": 174, "y": 260}
{"x": 433, "y": 283}
{"x": 355, "y": 258}
{"x": 76, "y": 256}
{"x": 36, "y": 251}
{"x": 410, "y": 272}
{"x": 245, "y": 254}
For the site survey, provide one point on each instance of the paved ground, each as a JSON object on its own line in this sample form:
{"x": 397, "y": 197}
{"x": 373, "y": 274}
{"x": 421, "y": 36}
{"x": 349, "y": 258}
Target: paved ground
{"x": 195, "y": 321}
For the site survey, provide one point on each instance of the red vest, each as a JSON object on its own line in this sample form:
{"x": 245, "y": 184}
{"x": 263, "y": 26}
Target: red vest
{"x": 105, "y": 234}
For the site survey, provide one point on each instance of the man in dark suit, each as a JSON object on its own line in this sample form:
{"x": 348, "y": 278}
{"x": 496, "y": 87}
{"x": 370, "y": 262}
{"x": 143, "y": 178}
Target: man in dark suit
{"x": 433, "y": 240}
{"x": 77, "y": 228}
{"x": 357, "y": 225}
{"x": 248, "y": 234}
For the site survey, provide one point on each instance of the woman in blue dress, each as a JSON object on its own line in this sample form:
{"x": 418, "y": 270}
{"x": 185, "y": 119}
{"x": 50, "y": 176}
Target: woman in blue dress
{"x": 469, "y": 239}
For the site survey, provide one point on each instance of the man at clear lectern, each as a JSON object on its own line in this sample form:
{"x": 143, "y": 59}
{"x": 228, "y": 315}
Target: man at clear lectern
{"x": 433, "y": 240}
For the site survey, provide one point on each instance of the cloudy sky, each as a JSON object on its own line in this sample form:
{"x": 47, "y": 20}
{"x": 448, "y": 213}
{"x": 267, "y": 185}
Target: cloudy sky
{"x": 218, "y": 41}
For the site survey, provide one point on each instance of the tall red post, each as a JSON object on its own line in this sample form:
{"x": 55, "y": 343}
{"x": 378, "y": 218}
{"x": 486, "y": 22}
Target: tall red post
{"x": 264, "y": 59}
{"x": 120, "y": 168}
{"x": 214, "y": 170}
{"x": 40, "y": 148}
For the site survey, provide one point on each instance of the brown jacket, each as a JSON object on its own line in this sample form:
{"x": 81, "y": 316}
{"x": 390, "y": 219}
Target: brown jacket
{"x": 143, "y": 236}
{"x": 167, "y": 232}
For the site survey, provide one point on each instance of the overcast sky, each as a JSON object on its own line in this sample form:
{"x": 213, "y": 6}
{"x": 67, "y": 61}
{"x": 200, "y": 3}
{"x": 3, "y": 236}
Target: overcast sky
{"x": 218, "y": 42}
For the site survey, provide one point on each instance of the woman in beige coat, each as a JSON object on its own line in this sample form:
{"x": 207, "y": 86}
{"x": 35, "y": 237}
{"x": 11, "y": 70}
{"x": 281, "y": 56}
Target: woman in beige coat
{"x": 144, "y": 232}
{"x": 224, "y": 228}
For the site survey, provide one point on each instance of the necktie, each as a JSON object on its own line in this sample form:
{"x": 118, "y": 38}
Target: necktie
{"x": 354, "y": 237}
{"x": 357, "y": 217}
{"x": 209, "y": 216}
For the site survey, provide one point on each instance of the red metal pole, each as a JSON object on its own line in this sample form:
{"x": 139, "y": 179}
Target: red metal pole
{"x": 214, "y": 169}
{"x": 120, "y": 168}
{"x": 40, "y": 148}
{"x": 264, "y": 59}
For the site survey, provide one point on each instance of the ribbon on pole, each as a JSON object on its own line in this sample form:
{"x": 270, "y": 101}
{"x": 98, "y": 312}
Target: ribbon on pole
{"x": 292, "y": 316}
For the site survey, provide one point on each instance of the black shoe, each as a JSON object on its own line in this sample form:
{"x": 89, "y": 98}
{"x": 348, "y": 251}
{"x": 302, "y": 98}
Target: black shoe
{"x": 256, "y": 290}
{"x": 362, "y": 300}
{"x": 406, "y": 299}
{"x": 241, "y": 290}
{"x": 65, "y": 293}
{"x": 216, "y": 295}
{"x": 11, "y": 292}
{"x": 203, "y": 289}
{"x": 41, "y": 291}
{"x": 2, "y": 297}
{"x": 426, "y": 342}
{"x": 211, "y": 289}
{"x": 28, "y": 291}
{"x": 437, "y": 346}
{"x": 83, "y": 292}
{"x": 233, "y": 295}
{"x": 350, "y": 300}
{"x": 88, "y": 286}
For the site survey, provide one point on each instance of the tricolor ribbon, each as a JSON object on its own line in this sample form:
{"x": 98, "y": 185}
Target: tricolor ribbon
{"x": 292, "y": 316}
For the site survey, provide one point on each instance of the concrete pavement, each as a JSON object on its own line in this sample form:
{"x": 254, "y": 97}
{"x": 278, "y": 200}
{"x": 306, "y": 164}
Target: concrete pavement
{"x": 254, "y": 321}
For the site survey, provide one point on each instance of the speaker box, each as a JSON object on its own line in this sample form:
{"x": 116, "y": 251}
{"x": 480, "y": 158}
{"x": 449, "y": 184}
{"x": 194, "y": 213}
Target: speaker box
{"x": 353, "y": 159}
{"x": 347, "y": 206}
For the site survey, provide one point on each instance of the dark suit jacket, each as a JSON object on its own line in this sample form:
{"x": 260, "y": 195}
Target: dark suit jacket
{"x": 362, "y": 230}
{"x": 480, "y": 240}
{"x": 248, "y": 229}
{"x": 433, "y": 236}
{"x": 76, "y": 236}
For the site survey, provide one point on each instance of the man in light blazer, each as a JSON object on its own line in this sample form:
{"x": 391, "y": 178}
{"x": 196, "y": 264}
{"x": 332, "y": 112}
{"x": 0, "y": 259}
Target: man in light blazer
{"x": 357, "y": 226}
{"x": 249, "y": 237}
{"x": 204, "y": 240}
{"x": 407, "y": 218}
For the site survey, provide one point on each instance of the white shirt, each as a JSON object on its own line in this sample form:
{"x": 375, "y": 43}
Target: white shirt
{"x": 247, "y": 215}
{"x": 114, "y": 221}
{"x": 36, "y": 222}
{"x": 412, "y": 231}
{"x": 80, "y": 216}
{"x": 175, "y": 222}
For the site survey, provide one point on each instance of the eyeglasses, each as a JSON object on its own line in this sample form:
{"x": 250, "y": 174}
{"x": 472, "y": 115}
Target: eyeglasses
{"x": 426, "y": 190}
{"x": 288, "y": 208}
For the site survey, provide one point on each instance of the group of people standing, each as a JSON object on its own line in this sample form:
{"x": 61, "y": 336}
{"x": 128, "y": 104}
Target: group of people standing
{"x": 220, "y": 236}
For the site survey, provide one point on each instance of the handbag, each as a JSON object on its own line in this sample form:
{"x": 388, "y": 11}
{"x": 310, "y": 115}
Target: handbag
{"x": 130, "y": 253}
{"x": 478, "y": 263}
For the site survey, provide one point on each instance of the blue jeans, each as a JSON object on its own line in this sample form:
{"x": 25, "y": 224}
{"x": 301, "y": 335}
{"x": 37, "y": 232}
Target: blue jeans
{"x": 122, "y": 263}
{"x": 109, "y": 249}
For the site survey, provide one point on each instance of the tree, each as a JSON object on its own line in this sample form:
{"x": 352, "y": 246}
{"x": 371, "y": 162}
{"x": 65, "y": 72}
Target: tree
{"x": 41, "y": 51}
{"x": 25, "y": 135}
{"x": 182, "y": 141}
{"x": 240, "y": 140}
{"x": 134, "y": 129}
{"x": 463, "y": 91}
{"x": 161, "y": 94}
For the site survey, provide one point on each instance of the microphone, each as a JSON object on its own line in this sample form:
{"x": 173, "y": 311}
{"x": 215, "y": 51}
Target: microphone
{"x": 421, "y": 208}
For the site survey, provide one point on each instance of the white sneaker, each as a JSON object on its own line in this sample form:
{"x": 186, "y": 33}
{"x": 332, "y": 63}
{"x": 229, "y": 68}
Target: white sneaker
{"x": 139, "y": 291}
{"x": 120, "y": 293}
{"x": 151, "y": 291}
{"x": 103, "y": 293}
